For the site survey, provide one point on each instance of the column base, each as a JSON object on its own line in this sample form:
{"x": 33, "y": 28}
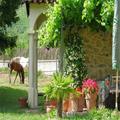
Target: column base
{"x": 33, "y": 98}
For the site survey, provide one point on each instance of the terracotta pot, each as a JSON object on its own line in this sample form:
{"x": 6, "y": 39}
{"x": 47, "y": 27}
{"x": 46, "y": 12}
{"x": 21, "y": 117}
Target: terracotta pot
{"x": 65, "y": 105}
{"x": 49, "y": 108}
{"x": 50, "y": 105}
{"x": 76, "y": 103}
{"x": 70, "y": 106}
{"x": 90, "y": 101}
{"x": 81, "y": 103}
{"x": 23, "y": 102}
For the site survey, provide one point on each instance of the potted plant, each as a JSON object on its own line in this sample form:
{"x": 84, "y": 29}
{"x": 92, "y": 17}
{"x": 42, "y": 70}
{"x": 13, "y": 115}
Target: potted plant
{"x": 23, "y": 102}
{"x": 90, "y": 89}
{"x": 59, "y": 89}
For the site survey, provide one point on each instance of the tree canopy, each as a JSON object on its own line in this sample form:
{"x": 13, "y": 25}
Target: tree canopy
{"x": 8, "y": 16}
{"x": 97, "y": 14}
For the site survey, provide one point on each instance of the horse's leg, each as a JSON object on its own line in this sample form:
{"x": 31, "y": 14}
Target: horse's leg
{"x": 16, "y": 77}
{"x": 10, "y": 75}
{"x": 20, "y": 77}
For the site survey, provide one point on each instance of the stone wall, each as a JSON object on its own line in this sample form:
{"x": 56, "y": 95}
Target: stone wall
{"x": 98, "y": 49}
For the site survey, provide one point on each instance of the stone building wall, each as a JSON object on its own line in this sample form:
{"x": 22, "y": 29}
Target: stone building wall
{"x": 98, "y": 49}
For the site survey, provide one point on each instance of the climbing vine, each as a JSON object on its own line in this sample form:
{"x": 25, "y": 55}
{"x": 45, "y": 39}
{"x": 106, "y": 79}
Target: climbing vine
{"x": 97, "y": 14}
{"x": 68, "y": 14}
{"x": 75, "y": 58}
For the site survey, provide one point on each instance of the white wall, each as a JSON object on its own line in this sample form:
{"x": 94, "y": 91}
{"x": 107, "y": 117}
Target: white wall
{"x": 46, "y": 66}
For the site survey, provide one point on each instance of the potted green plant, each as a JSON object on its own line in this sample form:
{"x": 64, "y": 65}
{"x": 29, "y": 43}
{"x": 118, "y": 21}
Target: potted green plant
{"x": 90, "y": 89}
{"x": 59, "y": 89}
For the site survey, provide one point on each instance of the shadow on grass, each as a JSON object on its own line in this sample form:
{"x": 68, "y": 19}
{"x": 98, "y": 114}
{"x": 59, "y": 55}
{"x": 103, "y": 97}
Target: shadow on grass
{"x": 9, "y": 99}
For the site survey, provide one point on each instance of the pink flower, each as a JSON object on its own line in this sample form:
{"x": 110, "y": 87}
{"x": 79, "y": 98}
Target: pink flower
{"x": 90, "y": 86}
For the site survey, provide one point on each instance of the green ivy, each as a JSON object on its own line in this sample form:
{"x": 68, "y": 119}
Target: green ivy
{"x": 74, "y": 58}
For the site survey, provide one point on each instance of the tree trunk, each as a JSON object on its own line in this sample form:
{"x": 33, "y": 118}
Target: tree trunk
{"x": 59, "y": 107}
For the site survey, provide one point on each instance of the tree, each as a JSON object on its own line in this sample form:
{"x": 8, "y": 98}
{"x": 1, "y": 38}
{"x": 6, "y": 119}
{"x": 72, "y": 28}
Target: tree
{"x": 8, "y": 16}
{"x": 20, "y": 28}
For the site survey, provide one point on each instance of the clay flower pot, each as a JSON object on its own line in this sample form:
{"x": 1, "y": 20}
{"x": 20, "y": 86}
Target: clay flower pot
{"x": 50, "y": 105}
{"x": 77, "y": 103}
{"x": 65, "y": 105}
{"x": 49, "y": 108}
{"x": 81, "y": 103}
{"x": 23, "y": 102}
{"x": 90, "y": 101}
{"x": 80, "y": 100}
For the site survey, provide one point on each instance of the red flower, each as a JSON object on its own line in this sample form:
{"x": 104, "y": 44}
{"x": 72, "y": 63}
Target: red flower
{"x": 79, "y": 89}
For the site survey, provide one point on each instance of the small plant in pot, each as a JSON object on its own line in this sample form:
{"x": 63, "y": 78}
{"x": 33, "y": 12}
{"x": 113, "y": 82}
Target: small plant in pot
{"x": 59, "y": 89}
{"x": 90, "y": 89}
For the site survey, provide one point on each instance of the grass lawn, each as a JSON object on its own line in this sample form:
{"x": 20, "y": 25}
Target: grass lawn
{"x": 11, "y": 110}
{"x": 10, "y": 94}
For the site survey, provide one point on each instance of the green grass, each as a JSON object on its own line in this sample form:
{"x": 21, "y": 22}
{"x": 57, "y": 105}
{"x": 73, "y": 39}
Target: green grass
{"x": 11, "y": 110}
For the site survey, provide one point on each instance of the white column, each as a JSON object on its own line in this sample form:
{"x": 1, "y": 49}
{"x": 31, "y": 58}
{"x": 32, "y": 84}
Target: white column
{"x": 33, "y": 92}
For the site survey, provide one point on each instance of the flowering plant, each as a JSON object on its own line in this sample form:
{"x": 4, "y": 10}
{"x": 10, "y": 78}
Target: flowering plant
{"x": 90, "y": 86}
{"x": 79, "y": 90}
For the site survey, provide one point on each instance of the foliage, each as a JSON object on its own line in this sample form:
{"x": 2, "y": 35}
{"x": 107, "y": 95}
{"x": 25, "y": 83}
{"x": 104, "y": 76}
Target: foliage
{"x": 59, "y": 87}
{"x": 99, "y": 114}
{"x": 74, "y": 58}
{"x": 10, "y": 52}
{"x": 97, "y": 14}
{"x": 20, "y": 28}
{"x": 6, "y": 42}
{"x": 90, "y": 86}
{"x": 50, "y": 30}
{"x": 67, "y": 14}
{"x": 7, "y": 20}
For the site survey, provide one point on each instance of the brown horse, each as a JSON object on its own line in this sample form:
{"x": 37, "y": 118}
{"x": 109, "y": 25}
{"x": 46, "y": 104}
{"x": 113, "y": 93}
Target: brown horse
{"x": 15, "y": 65}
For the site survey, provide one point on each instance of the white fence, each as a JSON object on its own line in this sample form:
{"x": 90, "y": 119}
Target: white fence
{"x": 46, "y": 66}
